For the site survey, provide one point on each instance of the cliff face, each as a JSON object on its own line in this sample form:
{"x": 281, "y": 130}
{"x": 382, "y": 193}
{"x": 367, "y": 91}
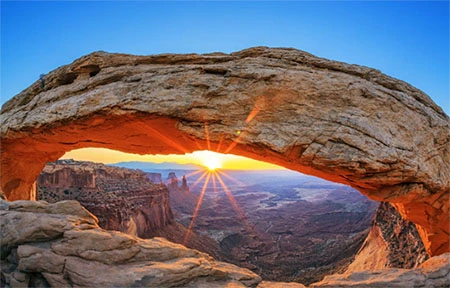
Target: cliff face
{"x": 122, "y": 199}
{"x": 341, "y": 122}
{"x": 393, "y": 242}
{"x": 155, "y": 177}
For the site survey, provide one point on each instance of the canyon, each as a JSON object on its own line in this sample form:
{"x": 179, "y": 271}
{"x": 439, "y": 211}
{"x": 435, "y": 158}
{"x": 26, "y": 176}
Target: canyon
{"x": 308, "y": 239}
{"x": 57, "y": 245}
{"x": 345, "y": 123}
{"x": 122, "y": 199}
{"x": 282, "y": 225}
{"x": 289, "y": 227}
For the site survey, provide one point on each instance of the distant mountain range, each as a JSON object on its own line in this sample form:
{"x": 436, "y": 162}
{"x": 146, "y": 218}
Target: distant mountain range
{"x": 150, "y": 166}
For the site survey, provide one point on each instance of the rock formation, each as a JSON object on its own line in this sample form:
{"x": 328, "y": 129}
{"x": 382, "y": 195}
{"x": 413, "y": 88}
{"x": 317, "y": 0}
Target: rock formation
{"x": 155, "y": 177}
{"x": 122, "y": 199}
{"x": 172, "y": 181}
{"x": 341, "y": 122}
{"x": 61, "y": 245}
{"x": 433, "y": 273}
{"x": 182, "y": 200}
{"x": 393, "y": 242}
{"x": 57, "y": 245}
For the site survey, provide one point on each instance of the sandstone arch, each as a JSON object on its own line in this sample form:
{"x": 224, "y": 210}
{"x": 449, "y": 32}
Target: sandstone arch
{"x": 341, "y": 122}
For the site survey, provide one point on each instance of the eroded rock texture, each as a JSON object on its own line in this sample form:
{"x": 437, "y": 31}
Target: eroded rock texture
{"x": 345, "y": 123}
{"x": 122, "y": 199}
{"x": 61, "y": 245}
{"x": 393, "y": 242}
{"x": 434, "y": 272}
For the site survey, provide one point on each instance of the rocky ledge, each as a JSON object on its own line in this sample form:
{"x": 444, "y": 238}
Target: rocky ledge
{"x": 61, "y": 245}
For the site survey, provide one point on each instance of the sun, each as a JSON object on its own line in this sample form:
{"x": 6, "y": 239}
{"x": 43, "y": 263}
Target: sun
{"x": 212, "y": 164}
{"x": 211, "y": 160}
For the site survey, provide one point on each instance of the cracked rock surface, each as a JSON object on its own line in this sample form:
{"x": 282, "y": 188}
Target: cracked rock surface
{"x": 61, "y": 245}
{"x": 342, "y": 122}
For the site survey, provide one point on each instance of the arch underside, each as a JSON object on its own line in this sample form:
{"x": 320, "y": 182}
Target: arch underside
{"x": 341, "y": 122}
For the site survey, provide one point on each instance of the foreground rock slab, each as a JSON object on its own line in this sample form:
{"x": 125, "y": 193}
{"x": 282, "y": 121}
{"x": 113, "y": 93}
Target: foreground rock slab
{"x": 435, "y": 272}
{"x": 61, "y": 245}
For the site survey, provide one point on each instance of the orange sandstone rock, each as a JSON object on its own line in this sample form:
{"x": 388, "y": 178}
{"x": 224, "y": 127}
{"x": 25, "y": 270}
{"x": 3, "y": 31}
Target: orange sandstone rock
{"x": 341, "y": 122}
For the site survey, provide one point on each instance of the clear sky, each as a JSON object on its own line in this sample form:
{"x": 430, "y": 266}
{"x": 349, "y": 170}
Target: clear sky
{"x": 406, "y": 40}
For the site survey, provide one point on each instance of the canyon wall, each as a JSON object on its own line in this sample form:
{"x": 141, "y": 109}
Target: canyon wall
{"x": 122, "y": 199}
{"x": 393, "y": 242}
{"x": 342, "y": 122}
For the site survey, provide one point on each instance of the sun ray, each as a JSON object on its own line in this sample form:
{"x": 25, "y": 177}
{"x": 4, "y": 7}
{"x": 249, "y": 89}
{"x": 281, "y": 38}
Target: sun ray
{"x": 238, "y": 209}
{"x": 233, "y": 201}
{"x": 198, "y": 180}
{"x": 260, "y": 103}
{"x": 208, "y": 144}
{"x": 220, "y": 143}
{"x": 197, "y": 208}
{"x": 235, "y": 142}
{"x": 194, "y": 173}
{"x": 252, "y": 114}
{"x": 223, "y": 173}
{"x": 214, "y": 185}
{"x": 164, "y": 138}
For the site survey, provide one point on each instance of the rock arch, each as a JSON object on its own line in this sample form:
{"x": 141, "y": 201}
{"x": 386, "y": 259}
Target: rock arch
{"x": 341, "y": 122}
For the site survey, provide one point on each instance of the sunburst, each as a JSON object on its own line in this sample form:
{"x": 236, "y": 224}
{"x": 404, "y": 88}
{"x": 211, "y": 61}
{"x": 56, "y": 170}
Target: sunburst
{"x": 212, "y": 163}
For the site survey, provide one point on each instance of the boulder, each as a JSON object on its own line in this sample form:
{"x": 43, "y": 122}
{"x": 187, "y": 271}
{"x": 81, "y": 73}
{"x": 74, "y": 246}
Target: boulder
{"x": 55, "y": 249}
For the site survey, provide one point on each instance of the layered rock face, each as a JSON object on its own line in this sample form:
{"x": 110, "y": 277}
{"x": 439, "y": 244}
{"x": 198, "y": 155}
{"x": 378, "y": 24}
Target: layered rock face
{"x": 341, "y": 122}
{"x": 58, "y": 245}
{"x": 122, "y": 199}
{"x": 393, "y": 242}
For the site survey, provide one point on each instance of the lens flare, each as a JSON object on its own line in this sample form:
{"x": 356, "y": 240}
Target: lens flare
{"x": 211, "y": 160}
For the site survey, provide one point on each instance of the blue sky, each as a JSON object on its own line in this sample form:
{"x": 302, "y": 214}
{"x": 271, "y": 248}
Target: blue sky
{"x": 406, "y": 40}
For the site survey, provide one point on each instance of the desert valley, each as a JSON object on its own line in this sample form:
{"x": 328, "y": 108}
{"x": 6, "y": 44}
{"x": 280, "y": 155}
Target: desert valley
{"x": 280, "y": 224}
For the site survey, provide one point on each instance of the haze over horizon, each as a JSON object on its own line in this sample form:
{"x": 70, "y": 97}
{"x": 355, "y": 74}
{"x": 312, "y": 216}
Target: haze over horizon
{"x": 226, "y": 161}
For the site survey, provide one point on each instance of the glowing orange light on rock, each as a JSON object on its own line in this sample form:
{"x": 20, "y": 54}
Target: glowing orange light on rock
{"x": 164, "y": 138}
{"x": 260, "y": 103}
